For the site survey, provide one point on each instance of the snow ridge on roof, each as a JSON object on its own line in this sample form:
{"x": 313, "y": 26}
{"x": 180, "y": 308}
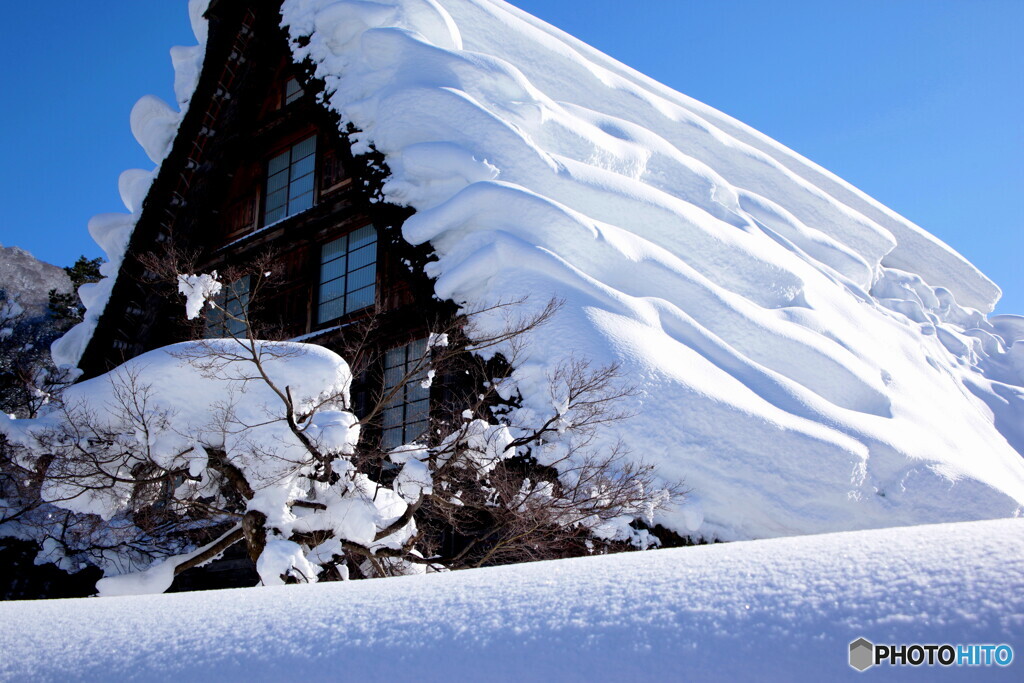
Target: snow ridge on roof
{"x": 805, "y": 359}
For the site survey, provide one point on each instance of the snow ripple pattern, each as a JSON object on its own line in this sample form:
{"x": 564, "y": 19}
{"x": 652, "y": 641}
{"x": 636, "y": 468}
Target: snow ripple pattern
{"x": 804, "y": 361}
{"x": 799, "y": 370}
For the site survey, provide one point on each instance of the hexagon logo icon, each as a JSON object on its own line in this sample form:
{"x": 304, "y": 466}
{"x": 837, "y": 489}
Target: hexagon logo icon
{"x": 862, "y": 654}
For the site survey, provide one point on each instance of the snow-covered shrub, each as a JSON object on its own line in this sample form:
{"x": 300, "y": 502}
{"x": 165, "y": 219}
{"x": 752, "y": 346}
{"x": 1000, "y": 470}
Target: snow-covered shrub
{"x": 178, "y": 454}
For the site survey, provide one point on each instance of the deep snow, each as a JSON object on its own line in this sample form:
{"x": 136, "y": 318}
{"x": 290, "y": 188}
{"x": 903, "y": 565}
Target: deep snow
{"x": 782, "y": 609}
{"x": 804, "y": 361}
{"x": 809, "y": 361}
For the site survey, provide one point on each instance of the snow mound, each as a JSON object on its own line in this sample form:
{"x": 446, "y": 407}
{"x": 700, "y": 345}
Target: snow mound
{"x": 194, "y": 396}
{"x": 781, "y": 609}
{"x": 809, "y": 361}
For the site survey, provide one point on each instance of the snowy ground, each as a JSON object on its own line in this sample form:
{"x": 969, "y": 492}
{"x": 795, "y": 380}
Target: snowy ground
{"x": 779, "y": 609}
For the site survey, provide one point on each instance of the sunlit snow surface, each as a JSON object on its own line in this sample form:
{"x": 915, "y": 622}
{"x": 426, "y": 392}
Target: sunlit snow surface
{"x": 782, "y": 609}
{"x": 808, "y": 360}
{"x": 804, "y": 363}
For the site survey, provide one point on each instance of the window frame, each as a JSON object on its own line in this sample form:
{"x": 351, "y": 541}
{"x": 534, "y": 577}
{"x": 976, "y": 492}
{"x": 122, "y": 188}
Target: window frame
{"x": 338, "y": 270}
{"x": 290, "y": 179}
{"x": 289, "y": 98}
{"x": 412, "y": 404}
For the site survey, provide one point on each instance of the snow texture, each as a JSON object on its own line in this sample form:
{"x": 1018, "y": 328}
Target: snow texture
{"x": 197, "y": 290}
{"x": 807, "y": 359}
{"x": 770, "y": 610}
{"x": 171, "y": 406}
{"x": 187, "y": 408}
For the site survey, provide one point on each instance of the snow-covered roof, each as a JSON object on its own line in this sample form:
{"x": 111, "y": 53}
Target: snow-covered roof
{"x": 807, "y": 359}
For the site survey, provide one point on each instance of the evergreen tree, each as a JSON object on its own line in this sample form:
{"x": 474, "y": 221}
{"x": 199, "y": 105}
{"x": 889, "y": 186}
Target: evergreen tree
{"x": 66, "y": 307}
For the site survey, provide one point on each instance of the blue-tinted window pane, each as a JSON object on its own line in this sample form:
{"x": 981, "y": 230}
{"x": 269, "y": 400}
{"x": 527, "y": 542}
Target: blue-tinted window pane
{"x": 392, "y": 438}
{"x": 359, "y": 299}
{"x": 276, "y": 200}
{"x": 214, "y": 323}
{"x": 349, "y": 275}
{"x": 278, "y": 164}
{"x": 227, "y": 317}
{"x": 333, "y": 250}
{"x": 332, "y": 289}
{"x": 276, "y": 182}
{"x": 414, "y": 431}
{"x": 301, "y": 186}
{"x": 362, "y": 257}
{"x": 235, "y": 328}
{"x": 292, "y": 91}
{"x": 290, "y": 181}
{"x": 332, "y": 269}
{"x": 363, "y": 236}
{"x": 393, "y": 417}
{"x": 417, "y": 349}
{"x": 330, "y": 310}
{"x": 300, "y": 203}
{"x": 274, "y": 215}
{"x": 394, "y": 375}
{"x": 364, "y": 277}
{"x": 394, "y": 357}
{"x": 416, "y": 391}
{"x": 303, "y": 149}
{"x": 303, "y": 166}
{"x": 413, "y": 400}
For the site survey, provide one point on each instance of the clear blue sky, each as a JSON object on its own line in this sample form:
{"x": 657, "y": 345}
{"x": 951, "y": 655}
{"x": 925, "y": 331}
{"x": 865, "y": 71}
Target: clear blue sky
{"x": 920, "y": 103}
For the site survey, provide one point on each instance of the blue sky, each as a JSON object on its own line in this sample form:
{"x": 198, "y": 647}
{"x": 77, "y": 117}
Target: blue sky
{"x": 920, "y": 103}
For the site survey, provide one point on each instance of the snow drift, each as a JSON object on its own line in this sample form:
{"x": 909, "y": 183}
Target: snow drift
{"x": 781, "y": 609}
{"x": 809, "y": 360}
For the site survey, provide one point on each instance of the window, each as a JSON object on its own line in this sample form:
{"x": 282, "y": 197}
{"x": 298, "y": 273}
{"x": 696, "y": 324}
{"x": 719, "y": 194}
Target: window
{"x": 332, "y": 172}
{"x": 228, "y": 319}
{"x": 406, "y": 415}
{"x": 292, "y": 91}
{"x": 290, "y": 181}
{"x": 348, "y": 274}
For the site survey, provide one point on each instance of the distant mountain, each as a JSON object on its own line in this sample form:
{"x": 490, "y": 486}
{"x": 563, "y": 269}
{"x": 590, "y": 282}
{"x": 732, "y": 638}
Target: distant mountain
{"x": 28, "y": 280}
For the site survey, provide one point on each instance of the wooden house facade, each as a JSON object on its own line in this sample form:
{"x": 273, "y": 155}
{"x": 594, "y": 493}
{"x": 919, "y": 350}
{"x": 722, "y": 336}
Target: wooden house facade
{"x": 259, "y": 167}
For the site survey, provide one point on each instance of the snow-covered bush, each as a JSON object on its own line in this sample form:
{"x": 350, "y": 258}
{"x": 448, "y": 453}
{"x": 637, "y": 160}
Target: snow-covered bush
{"x": 178, "y": 454}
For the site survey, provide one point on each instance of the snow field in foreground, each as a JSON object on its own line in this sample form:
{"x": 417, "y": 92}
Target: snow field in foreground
{"x": 781, "y": 609}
